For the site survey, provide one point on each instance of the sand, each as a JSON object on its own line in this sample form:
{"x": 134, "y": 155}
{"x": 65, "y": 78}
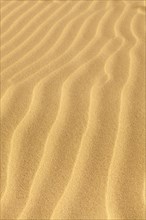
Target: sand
{"x": 72, "y": 109}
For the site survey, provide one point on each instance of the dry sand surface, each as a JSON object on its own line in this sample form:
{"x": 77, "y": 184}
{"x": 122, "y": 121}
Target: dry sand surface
{"x": 72, "y": 109}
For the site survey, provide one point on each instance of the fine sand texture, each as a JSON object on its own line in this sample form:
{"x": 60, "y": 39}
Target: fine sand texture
{"x": 72, "y": 109}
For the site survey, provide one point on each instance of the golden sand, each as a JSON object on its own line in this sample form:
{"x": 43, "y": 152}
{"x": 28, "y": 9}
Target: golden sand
{"x": 72, "y": 109}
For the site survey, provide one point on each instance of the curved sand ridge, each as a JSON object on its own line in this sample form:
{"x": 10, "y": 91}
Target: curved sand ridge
{"x": 72, "y": 109}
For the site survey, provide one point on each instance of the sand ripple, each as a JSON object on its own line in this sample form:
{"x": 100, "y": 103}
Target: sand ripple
{"x": 72, "y": 109}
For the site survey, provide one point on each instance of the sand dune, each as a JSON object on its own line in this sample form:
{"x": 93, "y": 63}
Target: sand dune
{"x": 72, "y": 109}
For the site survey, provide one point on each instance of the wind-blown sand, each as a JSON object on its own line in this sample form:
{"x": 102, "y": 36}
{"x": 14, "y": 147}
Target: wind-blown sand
{"x": 72, "y": 109}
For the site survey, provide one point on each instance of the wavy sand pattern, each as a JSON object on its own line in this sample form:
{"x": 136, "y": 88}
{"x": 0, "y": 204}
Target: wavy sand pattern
{"x": 72, "y": 109}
